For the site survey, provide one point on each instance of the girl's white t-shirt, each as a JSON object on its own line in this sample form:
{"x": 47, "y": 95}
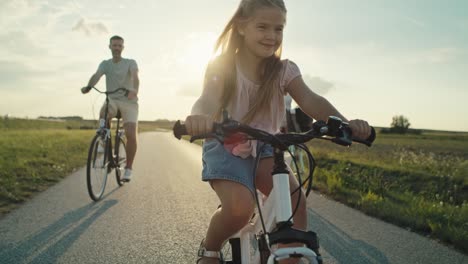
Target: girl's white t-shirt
{"x": 269, "y": 121}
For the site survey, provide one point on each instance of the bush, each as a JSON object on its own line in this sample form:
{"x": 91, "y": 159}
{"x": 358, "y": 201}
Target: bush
{"x": 400, "y": 124}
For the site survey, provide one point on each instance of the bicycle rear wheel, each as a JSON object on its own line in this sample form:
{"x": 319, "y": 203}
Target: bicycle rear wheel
{"x": 97, "y": 167}
{"x": 121, "y": 158}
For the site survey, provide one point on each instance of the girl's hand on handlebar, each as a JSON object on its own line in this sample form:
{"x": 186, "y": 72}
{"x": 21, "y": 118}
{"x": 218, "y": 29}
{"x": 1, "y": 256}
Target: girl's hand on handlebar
{"x": 198, "y": 124}
{"x": 360, "y": 128}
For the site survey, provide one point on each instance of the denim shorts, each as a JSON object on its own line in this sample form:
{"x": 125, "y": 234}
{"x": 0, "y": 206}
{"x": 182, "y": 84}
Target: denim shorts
{"x": 220, "y": 164}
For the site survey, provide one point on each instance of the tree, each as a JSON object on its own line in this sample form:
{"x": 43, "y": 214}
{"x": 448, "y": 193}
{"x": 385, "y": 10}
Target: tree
{"x": 400, "y": 124}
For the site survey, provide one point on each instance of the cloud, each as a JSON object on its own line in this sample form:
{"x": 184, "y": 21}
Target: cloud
{"x": 415, "y": 21}
{"x": 317, "y": 84}
{"x": 12, "y": 12}
{"x": 18, "y": 42}
{"x": 90, "y": 28}
{"x": 17, "y": 75}
{"x": 434, "y": 56}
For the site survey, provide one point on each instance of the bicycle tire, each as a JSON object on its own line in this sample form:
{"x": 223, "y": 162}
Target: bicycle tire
{"x": 121, "y": 159}
{"x": 231, "y": 251}
{"x": 97, "y": 168}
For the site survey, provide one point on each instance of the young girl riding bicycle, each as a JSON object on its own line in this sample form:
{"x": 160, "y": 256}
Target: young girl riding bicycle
{"x": 249, "y": 80}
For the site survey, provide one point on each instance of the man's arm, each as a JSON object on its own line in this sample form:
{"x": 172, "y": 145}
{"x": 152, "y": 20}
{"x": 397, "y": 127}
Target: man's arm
{"x": 136, "y": 81}
{"x": 94, "y": 79}
{"x": 136, "y": 84}
{"x": 92, "y": 82}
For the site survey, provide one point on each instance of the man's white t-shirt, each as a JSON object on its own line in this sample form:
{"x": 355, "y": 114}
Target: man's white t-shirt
{"x": 118, "y": 75}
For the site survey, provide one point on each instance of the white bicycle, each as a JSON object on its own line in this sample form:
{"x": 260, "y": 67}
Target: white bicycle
{"x": 302, "y": 164}
{"x": 298, "y": 157}
{"x": 271, "y": 225}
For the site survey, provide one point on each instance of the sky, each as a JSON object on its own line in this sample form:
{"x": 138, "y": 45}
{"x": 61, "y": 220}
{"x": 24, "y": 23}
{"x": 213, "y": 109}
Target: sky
{"x": 372, "y": 59}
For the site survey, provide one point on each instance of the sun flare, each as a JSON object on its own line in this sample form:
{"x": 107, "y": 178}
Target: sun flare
{"x": 197, "y": 49}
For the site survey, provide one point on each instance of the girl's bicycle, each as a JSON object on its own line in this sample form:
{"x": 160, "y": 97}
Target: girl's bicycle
{"x": 298, "y": 157}
{"x": 302, "y": 164}
{"x": 272, "y": 222}
{"x": 102, "y": 155}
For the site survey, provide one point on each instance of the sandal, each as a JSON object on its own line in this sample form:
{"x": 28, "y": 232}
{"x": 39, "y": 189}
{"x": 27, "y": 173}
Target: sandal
{"x": 203, "y": 253}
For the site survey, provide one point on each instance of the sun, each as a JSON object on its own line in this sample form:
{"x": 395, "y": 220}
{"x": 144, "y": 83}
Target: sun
{"x": 197, "y": 49}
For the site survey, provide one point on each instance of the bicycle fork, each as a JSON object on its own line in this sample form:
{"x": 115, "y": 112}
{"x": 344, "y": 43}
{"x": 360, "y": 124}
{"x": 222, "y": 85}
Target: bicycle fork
{"x": 105, "y": 135}
{"x": 285, "y": 233}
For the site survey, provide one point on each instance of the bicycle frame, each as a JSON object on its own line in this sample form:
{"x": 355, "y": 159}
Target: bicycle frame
{"x": 277, "y": 229}
{"x": 105, "y": 131}
{"x": 276, "y": 210}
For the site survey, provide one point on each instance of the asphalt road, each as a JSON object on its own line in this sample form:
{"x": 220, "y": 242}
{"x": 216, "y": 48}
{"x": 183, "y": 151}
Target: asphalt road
{"x": 162, "y": 214}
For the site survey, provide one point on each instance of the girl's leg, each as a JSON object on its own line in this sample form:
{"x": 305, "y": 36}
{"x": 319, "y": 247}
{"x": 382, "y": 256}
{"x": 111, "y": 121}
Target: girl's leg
{"x": 237, "y": 207}
{"x": 264, "y": 183}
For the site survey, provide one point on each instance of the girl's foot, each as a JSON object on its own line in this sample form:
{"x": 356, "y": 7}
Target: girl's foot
{"x": 208, "y": 257}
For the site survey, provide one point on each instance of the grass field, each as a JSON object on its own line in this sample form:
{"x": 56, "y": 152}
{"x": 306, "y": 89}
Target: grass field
{"x": 419, "y": 182}
{"x": 35, "y": 154}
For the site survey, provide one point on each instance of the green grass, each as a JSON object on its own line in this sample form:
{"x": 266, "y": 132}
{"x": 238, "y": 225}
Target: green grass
{"x": 22, "y": 124}
{"x": 32, "y": 160}
{"x": 35, "y": 154}
{"x": 417, "y": 182}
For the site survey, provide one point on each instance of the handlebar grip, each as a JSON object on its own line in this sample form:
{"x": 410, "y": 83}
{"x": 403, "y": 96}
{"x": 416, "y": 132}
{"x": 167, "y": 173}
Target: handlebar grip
{"x": 179, "y": 130}
{"x": 85, "y": 89}
{"x": 368, "y": 142}
{"x": 372, "y": 136}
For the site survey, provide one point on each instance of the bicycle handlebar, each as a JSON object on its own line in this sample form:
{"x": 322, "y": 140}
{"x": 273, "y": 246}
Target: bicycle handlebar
{"x": 334, "y": 129}
{"x": 86, "y": 89}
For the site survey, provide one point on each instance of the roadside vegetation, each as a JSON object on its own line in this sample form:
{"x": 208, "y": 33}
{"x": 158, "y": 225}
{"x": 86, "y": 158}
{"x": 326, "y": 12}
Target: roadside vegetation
{"x": 37, "y": 153}
{"x": 418, "y": 181}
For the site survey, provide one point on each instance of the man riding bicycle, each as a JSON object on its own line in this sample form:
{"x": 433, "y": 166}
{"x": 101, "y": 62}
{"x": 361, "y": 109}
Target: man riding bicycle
{"x": 121, "y": 73}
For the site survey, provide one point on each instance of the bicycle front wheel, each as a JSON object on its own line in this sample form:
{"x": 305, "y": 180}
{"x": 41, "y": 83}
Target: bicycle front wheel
{"x": 121, "y": 158}
{"x": 97, "y": 167}
{"x": 304, "y": 165}
{"x": 231, "y": 251}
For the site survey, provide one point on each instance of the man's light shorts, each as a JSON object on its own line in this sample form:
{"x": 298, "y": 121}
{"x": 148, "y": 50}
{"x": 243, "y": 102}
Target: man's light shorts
{"x": 127, "y": 108}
